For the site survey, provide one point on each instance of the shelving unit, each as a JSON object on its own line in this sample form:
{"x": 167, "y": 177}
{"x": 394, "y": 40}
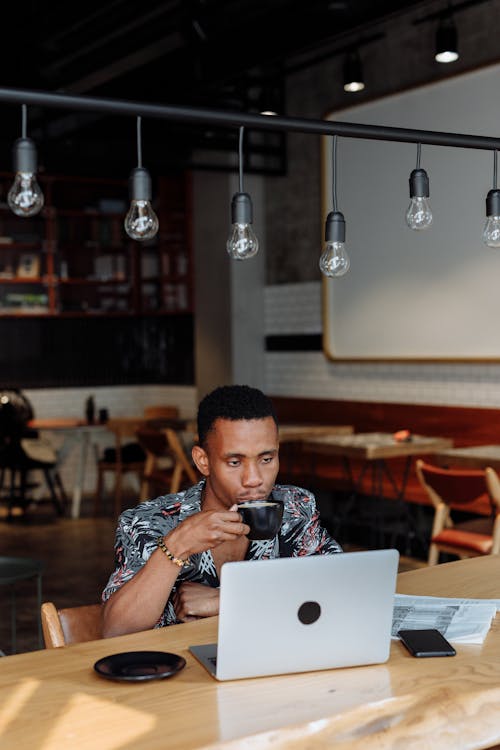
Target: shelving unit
{"x": 75, "y": 259}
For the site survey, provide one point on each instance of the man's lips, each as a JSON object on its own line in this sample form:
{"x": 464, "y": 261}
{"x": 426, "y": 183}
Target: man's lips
{"x": 251, "y": 499}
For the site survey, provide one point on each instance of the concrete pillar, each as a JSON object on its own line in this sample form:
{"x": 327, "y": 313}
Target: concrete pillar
{"x": 229, "y": 295}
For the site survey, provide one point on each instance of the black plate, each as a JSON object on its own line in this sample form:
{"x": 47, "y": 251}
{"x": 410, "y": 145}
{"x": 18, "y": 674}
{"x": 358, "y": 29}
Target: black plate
{"x": 133, "y": 666}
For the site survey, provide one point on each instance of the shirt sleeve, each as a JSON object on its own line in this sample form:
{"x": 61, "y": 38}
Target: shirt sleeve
{"x": 301, "y": 530}
{"x": 135, "y": 542}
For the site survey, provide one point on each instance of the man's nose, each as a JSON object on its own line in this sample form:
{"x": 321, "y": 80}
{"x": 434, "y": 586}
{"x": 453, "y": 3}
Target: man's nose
{"x": 252, "y": 476}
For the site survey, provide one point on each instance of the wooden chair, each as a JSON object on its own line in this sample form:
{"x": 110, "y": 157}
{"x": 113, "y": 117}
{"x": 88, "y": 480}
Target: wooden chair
{"x": 167, "y": 466}
{"x": 61, "y": 627}
{"x": 161, "y": 412}
{"x": 116, "y": 462}
{"x": 461, "y": 489}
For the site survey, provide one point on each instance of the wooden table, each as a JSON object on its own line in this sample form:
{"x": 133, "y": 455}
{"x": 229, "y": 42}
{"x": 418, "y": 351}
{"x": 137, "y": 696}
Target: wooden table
{"x": 75, "y": 431}
{"x": 53, "y": 700}
{"x": 374, "y": 450}
{"x": 471, "y": 457}
{"x": 291, "y": 433}
{"x": 292, "y": 438}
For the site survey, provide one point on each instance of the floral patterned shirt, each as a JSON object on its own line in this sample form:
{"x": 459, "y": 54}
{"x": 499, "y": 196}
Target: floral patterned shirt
{"x": 138, "y": 529}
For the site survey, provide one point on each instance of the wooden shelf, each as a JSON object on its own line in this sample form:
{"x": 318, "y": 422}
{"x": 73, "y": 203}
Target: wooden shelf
{"x": 93, "y": 282}
{"x": 85, "y": 243}
{"x": 19, "y": 280}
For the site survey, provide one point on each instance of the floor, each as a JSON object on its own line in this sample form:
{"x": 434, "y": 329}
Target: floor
{"x": 78, "y": 558}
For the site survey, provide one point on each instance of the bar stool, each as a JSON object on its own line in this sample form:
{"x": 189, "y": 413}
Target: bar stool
{"x": 12, "y": 571}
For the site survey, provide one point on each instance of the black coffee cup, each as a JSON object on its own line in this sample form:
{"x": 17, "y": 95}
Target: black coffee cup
{"x": 263, "y": 517}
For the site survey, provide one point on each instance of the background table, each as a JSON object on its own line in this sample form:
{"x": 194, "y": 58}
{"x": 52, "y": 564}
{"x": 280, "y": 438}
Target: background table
{"x": 54, "y": 700}
{"x": 291, "y": 433}
{"x": 75, "y": 431}
{"x": 471, "y": 457}
{"x": 374, "y": 450}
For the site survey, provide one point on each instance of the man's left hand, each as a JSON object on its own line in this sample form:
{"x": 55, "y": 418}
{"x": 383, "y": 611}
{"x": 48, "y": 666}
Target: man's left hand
{"x": 194, "y": 600}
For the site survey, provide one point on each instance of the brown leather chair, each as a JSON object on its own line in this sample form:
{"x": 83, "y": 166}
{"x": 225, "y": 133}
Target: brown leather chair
{"x": 167, "y": 467}
{"x": 61, "y": 627}
{"x": 455, "y": 489}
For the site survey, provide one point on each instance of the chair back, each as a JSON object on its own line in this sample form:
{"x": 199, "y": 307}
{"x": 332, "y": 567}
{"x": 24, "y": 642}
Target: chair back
{"x": 458, "y": 487}
{"x": 159, "y": 475}
{"x": 465, "y": 490}
{"x": 123, "y": 458}
{"x": 62, "y": 627}
{"x": 153, "y": 441}
{"x": 179, "y": 454}
{"x": 161, "y": 412}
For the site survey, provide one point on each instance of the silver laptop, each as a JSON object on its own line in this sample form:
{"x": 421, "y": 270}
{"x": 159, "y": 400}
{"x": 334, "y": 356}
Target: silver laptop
{"x": 302, "y": 614}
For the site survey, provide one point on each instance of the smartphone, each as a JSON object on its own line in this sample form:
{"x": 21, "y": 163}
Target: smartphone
{"x": 426, "y": 643}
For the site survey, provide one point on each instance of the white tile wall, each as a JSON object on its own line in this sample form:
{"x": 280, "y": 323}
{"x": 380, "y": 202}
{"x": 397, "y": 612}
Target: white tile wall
{"x": 296, "y": 308}
{"x": 119, "y": 400}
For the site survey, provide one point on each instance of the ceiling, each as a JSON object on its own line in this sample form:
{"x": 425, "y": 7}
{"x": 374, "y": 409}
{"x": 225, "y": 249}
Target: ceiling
{"x": 224, "y": 54}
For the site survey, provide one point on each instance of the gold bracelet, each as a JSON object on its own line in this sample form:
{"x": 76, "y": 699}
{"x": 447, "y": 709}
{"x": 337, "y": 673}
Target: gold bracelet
{"x": 177, "y": 560}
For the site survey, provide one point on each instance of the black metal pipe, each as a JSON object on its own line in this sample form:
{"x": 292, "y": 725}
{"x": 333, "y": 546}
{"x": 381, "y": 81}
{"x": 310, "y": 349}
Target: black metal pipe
{"x": 246, "y": 119}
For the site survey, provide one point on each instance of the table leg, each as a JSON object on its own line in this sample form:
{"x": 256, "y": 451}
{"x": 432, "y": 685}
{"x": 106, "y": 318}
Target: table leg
{"x": 80, "y": 474}
{"x": 13, "y": 620}
{"x": 39, "y": 608}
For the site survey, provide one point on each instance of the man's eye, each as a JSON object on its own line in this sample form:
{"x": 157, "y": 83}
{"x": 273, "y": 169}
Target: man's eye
{"x": 267, "y": 459}
{"x": 234, "y": 462}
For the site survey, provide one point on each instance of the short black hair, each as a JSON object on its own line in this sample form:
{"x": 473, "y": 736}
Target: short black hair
{"x": 232, "y": 402}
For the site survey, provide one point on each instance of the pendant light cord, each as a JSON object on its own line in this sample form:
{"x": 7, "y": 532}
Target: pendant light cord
{"x": 240, "y": 158}
{"x": 139, "y": 142}
{"x": 495, "y": 169}
{"x": 419, "y": 152}
{"x": 334, "y": 173}
{"x": 24, "y": 119}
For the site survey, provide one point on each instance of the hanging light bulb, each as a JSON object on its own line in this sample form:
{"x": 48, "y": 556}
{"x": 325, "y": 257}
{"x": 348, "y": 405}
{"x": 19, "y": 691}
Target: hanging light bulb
{"x": 491, "y": 232}
{"x": 141, "y": 222}
{"x": 334, "y": 261}
{"x": 419, "y": 214}
{"x": 353, "y": 73}
{"x": 446, "y": 41}
{"x": 242, "y": 242}
{"x": 25, "y": 197}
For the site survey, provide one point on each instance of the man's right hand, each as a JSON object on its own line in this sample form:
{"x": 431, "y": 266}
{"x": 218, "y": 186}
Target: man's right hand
{"x": 205, "y": 530}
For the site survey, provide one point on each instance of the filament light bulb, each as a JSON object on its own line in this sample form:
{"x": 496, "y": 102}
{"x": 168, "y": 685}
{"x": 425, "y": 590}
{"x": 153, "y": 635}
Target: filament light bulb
{"x": 419, "y": 214}
{"x": 491, "y": 232}
{"x": 334, "y": 260}
{"x": 242, "y": 242}
{"x": 141, "y": 222}
{"x": 25, "y": 197}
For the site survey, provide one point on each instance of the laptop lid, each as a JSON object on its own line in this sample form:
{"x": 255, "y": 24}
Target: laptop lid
{"x": 303, "y": 614}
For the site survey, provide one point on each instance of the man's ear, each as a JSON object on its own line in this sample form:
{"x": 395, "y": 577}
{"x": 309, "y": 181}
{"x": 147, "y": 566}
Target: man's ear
{"x": 200, "y": 459}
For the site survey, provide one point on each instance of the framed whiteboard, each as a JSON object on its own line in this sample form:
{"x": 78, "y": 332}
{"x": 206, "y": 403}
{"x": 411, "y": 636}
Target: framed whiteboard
{"x": 428, "y": 295}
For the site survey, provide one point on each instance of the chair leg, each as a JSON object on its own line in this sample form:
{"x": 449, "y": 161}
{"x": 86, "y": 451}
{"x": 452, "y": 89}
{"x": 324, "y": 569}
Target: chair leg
{"x": 99, "y": 491}
{"x": 12, "y": 490}
{"x": 118, "y": 493}
{"x": 53, "y": 496}
{"x": 60, "y": 487}
{"x": 433, "y": 555}
{"x": 176, "y": 478}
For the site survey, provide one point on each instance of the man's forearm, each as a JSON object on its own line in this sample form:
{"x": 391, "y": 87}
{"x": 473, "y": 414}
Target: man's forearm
{"x": 139, "y": 603}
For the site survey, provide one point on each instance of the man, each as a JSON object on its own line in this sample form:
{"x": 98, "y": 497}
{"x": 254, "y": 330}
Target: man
{"x": 169, "y": 551}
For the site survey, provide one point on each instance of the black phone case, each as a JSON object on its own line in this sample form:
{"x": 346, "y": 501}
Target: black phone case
{"x": 426, "y": 643}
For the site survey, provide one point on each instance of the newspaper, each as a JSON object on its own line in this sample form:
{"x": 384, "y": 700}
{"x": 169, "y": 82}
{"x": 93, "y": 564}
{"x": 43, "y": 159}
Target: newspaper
{"x": 459, "y": 620}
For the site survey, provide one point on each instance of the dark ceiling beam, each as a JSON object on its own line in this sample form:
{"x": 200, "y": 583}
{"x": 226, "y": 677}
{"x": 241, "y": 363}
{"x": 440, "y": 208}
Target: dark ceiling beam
{"x": 126, "y": 64}
{"x": 97, "y": 43}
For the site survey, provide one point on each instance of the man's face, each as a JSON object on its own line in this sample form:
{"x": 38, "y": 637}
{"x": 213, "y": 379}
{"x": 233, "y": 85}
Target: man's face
{"x": 240, "y": 461}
